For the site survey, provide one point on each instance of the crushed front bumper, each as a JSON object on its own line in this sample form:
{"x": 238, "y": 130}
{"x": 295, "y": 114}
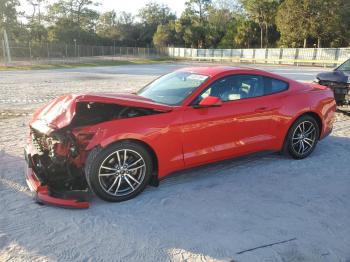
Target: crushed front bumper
{"x": 43, "y": 194}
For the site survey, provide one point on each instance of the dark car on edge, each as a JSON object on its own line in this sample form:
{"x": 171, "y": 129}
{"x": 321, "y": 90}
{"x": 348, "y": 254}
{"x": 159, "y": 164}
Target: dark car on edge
{"x": 339, "y": 81}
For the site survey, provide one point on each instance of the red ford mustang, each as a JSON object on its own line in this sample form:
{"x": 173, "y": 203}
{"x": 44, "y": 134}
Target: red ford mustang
{"x": 117, "y": 144}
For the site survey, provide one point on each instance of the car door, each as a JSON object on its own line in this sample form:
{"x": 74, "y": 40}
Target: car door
{"x": 242, "y": 124}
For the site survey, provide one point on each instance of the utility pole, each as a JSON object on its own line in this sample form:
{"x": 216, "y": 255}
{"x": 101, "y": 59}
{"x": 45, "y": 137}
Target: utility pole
{"x": 7, "y": 48}
{"x": 75, "y": 47}
{"x": 3, "y": 51}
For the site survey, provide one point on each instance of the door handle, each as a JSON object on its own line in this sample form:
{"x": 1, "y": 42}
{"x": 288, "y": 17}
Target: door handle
{"x": 261, "y": 109}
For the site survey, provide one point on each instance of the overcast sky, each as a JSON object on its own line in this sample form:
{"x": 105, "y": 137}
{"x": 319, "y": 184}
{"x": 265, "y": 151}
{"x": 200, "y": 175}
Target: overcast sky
{"x": 131, "y": 6}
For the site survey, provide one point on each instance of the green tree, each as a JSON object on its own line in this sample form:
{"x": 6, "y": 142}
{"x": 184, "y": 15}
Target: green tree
{"x": 326, "y": 19}
{"x": 218, "y": 24}
{"x": 77, "y": 13}
{"x": 8, "y": 14}
{"x": 247, "y": 35}
{"x": 16, "y": 31}
{"x": 263, "y": 12}
{"x": 325, "y": 22}
{"x": 37, "y": 32}
{"x": 107, "y": 26}
{"x": 293, "y": 22}
{"x": 165, "y": 35}
{"x": 37, "y": 6}
{"x": 153, "y": 15}
{"x": 342, "y": 37}
{"x": 228, "y": 40}
{"x": 193, "y": 22}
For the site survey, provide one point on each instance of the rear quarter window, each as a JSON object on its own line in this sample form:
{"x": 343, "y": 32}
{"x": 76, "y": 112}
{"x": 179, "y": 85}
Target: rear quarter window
{"x": 273, "y": 86}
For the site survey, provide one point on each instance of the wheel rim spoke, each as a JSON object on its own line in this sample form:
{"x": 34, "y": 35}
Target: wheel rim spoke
{"x": 119, "y": 182}
{"x": 308, "y": 143}
{"x": 297, "y": 142}
{"x": 308, "y": 139}
{"x": 113, "y": 184}
{"x": 299, "y": 127}
{"x": 134, "y": 163}
{"x": 309, "y": 129}
{"x": 310, "y": 132}
{"x": 119, "y": 162}
{"x": 301, "y": 147}
{"x": 109, "y": 168}
{"x": 133, "y": 179}
{"x": 124, "y": 160}
{"x": 109, "y": 174}
{"x": 128, "y": 181}
{"x": 133, "y": 169}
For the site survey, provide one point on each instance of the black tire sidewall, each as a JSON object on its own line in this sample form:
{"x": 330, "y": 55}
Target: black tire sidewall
{"x": 288, "y": 143}
{"x": 93, "y": 170}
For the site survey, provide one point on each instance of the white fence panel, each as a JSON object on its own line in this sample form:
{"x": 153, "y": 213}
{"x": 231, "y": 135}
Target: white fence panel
{"x": 247, "y": 53}
{"x": 182, "y": 52}
{"x": 273, "y": 53}
{"x": 226, "y": 52}
{"x": 201, "y": 52}
{"x": 236, "y": 53}
{"x": 326, "y": 54}
{"x": 217, "y": 52}
{"x": 289, "y": 54}
{"x": 188, "y": 52}
{"x": 344, "y": 54}
{"x": 306, "y": 53}
{"x": 297, "y": 56}
{"x": 260, "y": 53}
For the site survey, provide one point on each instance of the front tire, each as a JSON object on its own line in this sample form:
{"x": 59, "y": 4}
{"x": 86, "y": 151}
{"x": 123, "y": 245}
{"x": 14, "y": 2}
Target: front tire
{"x": 119, "y": 172}
{"x": 302, "y": 137}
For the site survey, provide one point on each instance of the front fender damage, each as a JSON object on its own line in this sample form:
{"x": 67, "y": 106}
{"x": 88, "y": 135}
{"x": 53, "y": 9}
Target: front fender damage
{"x": 58, "y": 146}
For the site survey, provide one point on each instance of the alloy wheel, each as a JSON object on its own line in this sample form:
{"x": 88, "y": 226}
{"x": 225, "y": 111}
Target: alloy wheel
{"x": 304, "y": 137}
{"x": 122, "y": 172}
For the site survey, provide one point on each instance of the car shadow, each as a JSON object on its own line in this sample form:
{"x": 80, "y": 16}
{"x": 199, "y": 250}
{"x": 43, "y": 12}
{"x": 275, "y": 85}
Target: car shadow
{"x": 210, "y": 213}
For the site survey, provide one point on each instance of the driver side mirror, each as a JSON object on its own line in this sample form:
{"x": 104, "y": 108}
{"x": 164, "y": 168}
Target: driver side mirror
{"x": 209, "y": 101}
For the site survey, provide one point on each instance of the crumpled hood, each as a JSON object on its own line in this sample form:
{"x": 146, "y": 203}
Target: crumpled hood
{"x": 60, "y": 112}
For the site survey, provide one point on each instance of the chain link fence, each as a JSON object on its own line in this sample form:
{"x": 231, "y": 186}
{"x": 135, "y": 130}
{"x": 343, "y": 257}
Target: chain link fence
{"x": 33, "y": 54}
{"x": 63, "y": 53}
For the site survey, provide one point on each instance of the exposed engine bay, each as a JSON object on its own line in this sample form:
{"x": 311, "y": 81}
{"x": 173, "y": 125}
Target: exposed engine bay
{"x": 59, "y": 157}
{"x": 90, "y": 113}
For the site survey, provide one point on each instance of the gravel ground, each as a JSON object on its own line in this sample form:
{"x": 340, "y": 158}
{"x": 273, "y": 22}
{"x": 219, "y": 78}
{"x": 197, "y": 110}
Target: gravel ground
{"x": 211, "y": 213}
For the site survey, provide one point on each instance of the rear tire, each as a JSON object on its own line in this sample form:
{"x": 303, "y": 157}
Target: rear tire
{"x": 302, "y": 137}
{"x": 119, "y": 172}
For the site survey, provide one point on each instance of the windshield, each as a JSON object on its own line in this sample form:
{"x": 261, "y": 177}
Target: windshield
{"x": 345, "y": 66}
{"x": 173, "y": 88}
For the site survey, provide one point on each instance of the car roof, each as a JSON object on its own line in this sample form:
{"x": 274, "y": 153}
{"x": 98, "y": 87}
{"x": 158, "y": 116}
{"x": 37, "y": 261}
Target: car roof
{"x": 213, "y": 70}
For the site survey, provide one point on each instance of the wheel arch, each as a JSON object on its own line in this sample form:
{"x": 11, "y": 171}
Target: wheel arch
{"x": 309, "y": 113}
{"x": 318, "y": 120}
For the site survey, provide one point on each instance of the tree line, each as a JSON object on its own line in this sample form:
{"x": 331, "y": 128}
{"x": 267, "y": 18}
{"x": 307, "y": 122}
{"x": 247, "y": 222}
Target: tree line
{"x": 202, "y": 24}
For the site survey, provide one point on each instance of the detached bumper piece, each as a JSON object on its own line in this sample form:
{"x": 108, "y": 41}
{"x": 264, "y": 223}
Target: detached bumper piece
{"x": 43, "y": 194}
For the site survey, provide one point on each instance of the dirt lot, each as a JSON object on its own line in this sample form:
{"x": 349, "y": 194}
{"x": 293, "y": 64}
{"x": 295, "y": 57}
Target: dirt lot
{"x": 212, "y": 213}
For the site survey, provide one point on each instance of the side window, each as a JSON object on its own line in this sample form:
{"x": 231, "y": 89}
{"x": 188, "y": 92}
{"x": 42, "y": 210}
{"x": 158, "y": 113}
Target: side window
{"x": 235, "y": 87}
{"x": 274, "y": 85}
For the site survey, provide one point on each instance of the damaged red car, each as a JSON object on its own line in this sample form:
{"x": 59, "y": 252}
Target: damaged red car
{"x": 116, "y": 144}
